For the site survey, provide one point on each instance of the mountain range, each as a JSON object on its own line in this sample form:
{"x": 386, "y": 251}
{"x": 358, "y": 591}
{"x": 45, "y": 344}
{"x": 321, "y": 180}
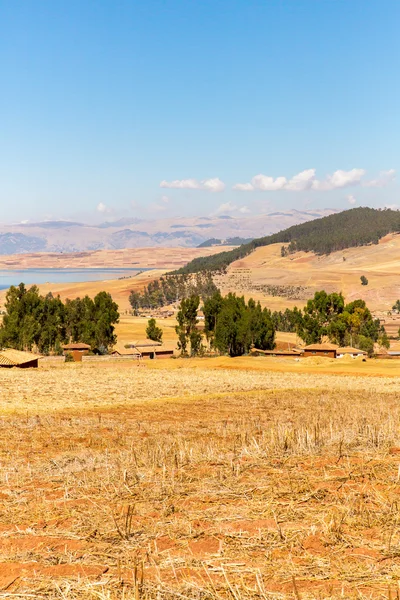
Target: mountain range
{"x": 72, "y": 236}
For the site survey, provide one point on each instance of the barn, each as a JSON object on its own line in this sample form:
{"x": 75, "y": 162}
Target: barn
{"x": 16, "y": 358}
{"x": 325, "y": 350}
{"x": 151, "y": 349}
{"x": 77, "y": 350}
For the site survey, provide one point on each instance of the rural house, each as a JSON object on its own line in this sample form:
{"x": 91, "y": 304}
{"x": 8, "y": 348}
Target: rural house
{"x": 151, "y": 349}
{"x": 77, "y": 350}
{"x": 16, "y": 358}
{"x": 383, "y": 353}
{"x": 326, "y": 350}
{"x": 349, "y": 351}
{"x": 120, "y": 351}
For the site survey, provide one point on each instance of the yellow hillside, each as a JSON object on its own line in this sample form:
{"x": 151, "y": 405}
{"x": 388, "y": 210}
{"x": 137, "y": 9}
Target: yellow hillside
{"x": 339, "y": 271}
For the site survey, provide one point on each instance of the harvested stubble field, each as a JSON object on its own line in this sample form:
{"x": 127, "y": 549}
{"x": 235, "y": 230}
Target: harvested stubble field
{"x": 205, "y": 482}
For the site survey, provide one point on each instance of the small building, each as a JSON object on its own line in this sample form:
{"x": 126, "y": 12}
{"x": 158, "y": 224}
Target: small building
{"x": 282, "y": 353}
{"x": 325, "y": 350}
{"x": 350, "y": 351}
{"x": 119, "y": 351}
{"x": 76, "y": 350}
{"x": 383, "y": 353}
{"x": 16, "y": 358}
{"x": 165, "y": 314}
{"x": 151, "y": 349}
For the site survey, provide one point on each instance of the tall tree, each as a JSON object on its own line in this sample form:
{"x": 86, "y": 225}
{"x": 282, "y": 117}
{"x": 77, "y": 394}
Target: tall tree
{"x": 232, "y": 333}
{"x": 233, "y": 326}
{"x": 187, "y": 326}
{"x": 212, "y": 308}
{"x": 318, "y": 314}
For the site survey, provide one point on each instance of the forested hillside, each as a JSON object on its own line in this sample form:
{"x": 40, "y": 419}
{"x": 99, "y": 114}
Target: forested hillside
{"x": 234, "y": 241}
{"x": 350, "y": 228}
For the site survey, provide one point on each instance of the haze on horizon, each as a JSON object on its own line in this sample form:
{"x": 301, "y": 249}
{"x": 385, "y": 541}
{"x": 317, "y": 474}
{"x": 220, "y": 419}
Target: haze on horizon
{"x": 174, "y": 108}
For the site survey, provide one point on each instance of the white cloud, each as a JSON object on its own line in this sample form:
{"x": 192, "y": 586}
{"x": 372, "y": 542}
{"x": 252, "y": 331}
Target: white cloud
{"x": 244, "y": 210}
{"x": 351, "y": 199}
{"x": 385, "y": 177}
{"x": 340, "y": 179}
{"x": 103, "y": 208}
{"x": 225, "y": 208}
{"x": 306, "y": 180}
{"x": 210, "y": 185}
{"x": 213, "y": 185}
{"x": 243, "y": 187}
{"x": 302, "y": 181}
{"x": 165, "y": 199}
{"x": 181, "y": 184}
{"x": 266, "y": 183}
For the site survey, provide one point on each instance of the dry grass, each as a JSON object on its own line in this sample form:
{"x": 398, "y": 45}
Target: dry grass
{"x": 134, "y": 328}
{"x": 198, "y": 482}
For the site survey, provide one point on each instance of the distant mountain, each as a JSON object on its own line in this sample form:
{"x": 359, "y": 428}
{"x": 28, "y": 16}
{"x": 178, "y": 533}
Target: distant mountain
{"x": 53, "y": 224}
{"x": 72, "y": 236}
{"x": 11, "y": 243}
{"x": 120, "y": 223}
{"x": 235, "y": 241}
{"x": 346, "y": 229}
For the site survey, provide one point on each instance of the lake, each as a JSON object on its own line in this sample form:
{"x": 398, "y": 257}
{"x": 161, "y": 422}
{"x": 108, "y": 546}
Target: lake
{"x": 38, "y": 276}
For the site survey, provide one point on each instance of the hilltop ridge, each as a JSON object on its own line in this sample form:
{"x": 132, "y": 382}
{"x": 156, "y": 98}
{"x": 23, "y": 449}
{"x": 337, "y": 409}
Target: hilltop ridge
{"x": 347, "y": 229}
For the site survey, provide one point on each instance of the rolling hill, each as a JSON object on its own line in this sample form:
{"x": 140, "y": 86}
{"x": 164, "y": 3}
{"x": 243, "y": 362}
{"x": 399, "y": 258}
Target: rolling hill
{"x": 281, "y": 282}
{"x": 348, "y": 229}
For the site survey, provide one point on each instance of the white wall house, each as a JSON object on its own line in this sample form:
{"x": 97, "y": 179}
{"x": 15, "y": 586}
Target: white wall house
{"x": 349, "y": 351}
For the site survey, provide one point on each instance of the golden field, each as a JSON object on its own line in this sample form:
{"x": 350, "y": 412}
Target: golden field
{"x": 130, "y": 258}
{"x": 206, "y": 478}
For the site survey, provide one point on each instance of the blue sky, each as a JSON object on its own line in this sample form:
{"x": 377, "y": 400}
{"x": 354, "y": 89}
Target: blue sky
{"x": 175, "y": 107}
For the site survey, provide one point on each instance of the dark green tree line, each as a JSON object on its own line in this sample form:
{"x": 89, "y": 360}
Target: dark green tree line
{"x": 327, "y": 315}
{"x": 32, "y": 321}
{"x": 172, "y": 288}
{"x": 233, "y": 326}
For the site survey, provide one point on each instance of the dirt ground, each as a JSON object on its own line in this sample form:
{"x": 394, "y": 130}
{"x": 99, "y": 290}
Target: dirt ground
{"x": 207, "y": 479}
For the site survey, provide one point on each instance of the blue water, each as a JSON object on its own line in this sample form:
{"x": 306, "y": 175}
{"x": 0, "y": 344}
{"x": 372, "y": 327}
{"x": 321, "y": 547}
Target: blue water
{"x": 38, "y": 276}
